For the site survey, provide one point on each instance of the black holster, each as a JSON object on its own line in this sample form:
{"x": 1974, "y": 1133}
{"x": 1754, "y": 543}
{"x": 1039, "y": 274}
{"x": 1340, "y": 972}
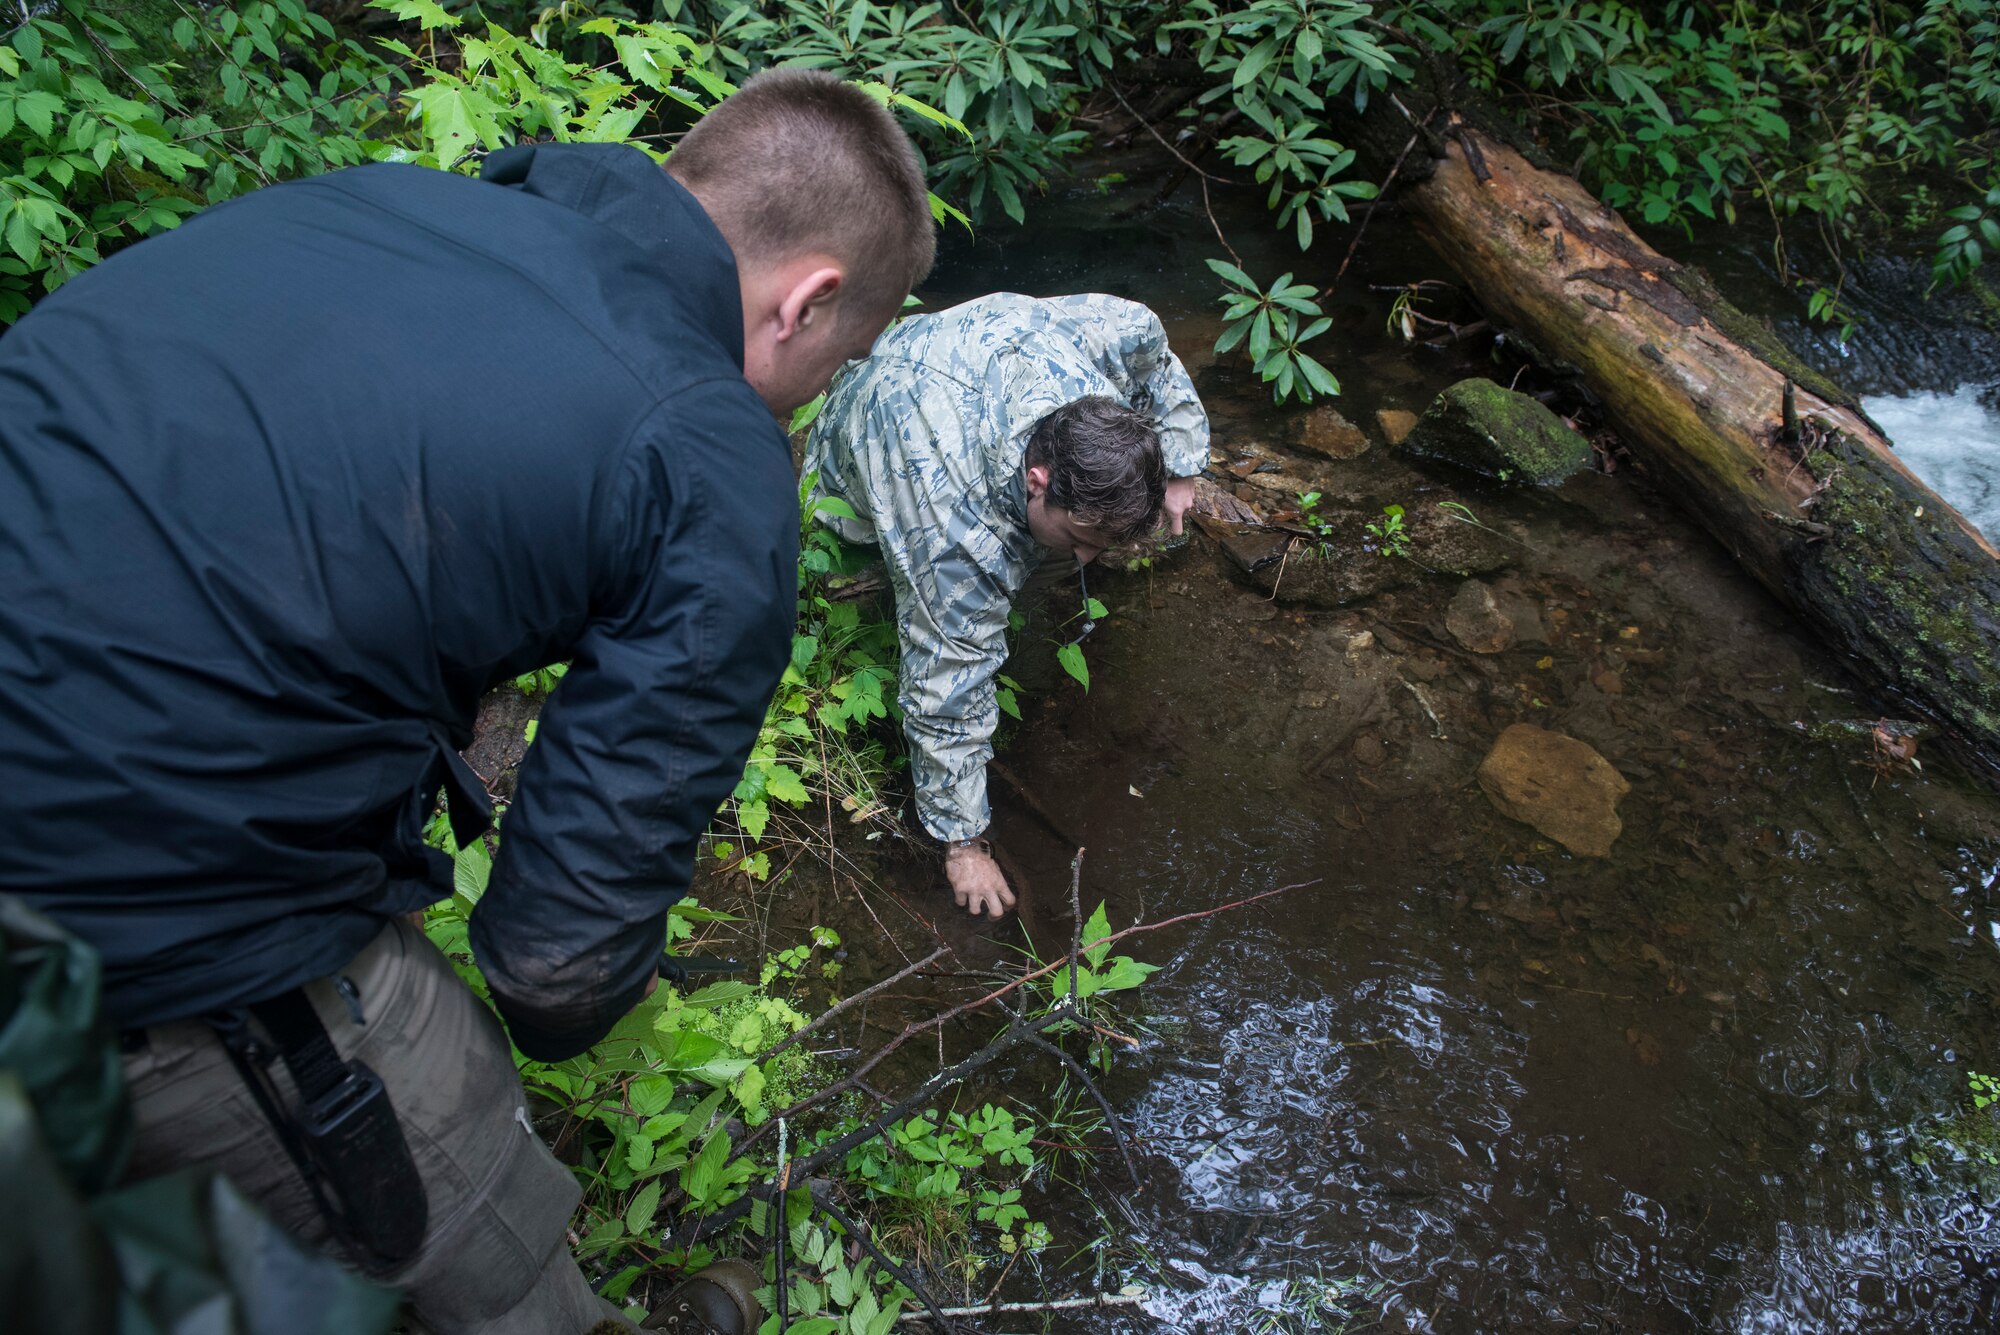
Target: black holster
{"x": 343, "y": 1135}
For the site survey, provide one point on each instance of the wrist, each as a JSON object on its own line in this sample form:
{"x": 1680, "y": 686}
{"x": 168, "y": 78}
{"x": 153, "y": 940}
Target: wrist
{"x": 961, "y": 848}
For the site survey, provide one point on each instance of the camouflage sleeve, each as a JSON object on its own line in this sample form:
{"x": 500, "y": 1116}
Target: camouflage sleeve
{"x": 903, "y": 438}
{"x": 1129, "y": 345}
{"x": 951, "y": 616}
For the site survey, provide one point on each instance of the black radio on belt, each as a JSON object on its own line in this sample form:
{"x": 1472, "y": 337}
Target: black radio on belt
{"x": 351, "y": 1134}
{"x": 343, "y": 1136}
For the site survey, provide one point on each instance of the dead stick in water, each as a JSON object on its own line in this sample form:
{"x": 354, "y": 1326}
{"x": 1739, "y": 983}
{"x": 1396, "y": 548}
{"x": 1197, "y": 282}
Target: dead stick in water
{"x": 1094, "y": 1300}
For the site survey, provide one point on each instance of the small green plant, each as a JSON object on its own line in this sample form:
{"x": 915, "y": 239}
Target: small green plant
{"x": 1968, "y": 1134}
{"x": 1310, "y": 516}
{"x": 828, "y": 1294}
{"x": 840, "y": 681}
{"x": 1070, "y": 655}
{"x": 1390, "y": 536}
{"x": 1275, "y": 325}
{"x": 1099, "y": 971}
{"x": 942, "y": 1176}
{"x": 1403, "y": 315}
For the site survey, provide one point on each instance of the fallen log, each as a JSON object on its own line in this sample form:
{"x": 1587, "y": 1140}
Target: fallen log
{"x": 1774, "y": 460}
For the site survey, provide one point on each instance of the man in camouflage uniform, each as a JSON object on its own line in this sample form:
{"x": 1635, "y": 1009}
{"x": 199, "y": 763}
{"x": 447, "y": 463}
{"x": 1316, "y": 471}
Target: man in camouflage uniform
{"x": 929, "y": 442}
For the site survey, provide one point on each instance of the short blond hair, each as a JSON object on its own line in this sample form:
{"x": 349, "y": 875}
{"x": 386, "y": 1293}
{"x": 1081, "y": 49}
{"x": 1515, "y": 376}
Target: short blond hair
{"x": 797, "y": 161}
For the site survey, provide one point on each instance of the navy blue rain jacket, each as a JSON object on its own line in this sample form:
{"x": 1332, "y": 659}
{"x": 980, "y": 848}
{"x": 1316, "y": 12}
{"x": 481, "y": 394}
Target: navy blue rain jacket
{"x": 283, "y": 492}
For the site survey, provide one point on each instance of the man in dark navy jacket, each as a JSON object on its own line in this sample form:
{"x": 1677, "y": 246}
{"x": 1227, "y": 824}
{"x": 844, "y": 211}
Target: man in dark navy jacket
{"x": 283, "y": 492}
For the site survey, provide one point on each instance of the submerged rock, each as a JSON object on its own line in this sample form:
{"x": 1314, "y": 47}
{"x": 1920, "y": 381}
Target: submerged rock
{"x": 1251, "y": 547}
{"x": 1395, "y": 424}
{"x": 1496, "y": 433}
{"x": 1476, "y": 621}
{"x": 1558, "y": 785}
{"x": 1324, "y": 432}
{"x": 1345, "y": 570}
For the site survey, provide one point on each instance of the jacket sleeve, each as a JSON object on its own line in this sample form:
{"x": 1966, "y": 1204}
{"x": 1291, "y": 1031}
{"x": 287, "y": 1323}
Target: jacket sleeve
{"x": 650, "y": 730}
{"x": 1129, "y": 345}
{"x": 951, "y": 618}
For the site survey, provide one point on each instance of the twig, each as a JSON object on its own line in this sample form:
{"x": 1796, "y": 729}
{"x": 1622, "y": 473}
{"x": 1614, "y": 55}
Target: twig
{"x": 1201, "y": 176}
{"x": 1380, "y": 194}
{"x": 849, "y": 1004}
{"x": 1437, "y": 727}
{"x": 882, "y": 1054}
{"x": 837, "y": 1148}
{"x": 1580, "y": 991}
{"x": 1076, "y": 919}
{"x": 1104, "y": 1105}
{"x": 939, "y": 1316}
{"x": 1095, "y": 1300}
{"x": 1291, "y": 544}
{"x": 1207, "y": 176}
{"x": 1020, "y": 1029}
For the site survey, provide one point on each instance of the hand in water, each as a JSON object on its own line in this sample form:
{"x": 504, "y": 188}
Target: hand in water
{"x": 1180, "y": 495}
{"x": 977, "y": 883}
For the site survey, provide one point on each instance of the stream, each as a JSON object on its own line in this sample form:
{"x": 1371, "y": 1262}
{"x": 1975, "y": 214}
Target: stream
{"x": 1460, "y": 1080}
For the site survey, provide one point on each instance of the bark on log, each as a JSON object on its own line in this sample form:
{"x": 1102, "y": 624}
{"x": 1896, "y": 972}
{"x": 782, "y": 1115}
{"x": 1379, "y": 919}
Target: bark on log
{"x": 1824, "y": 515}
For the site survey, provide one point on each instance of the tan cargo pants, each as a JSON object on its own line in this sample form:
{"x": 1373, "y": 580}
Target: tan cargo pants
{"x": 495, "y": 1260}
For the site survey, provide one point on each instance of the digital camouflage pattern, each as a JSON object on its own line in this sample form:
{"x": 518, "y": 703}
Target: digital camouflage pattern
{"x": 925, "y": 440}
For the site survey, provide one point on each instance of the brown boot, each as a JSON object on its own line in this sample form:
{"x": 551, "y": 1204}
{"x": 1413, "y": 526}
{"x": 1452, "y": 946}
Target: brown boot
{"x": 719, "y": 1299}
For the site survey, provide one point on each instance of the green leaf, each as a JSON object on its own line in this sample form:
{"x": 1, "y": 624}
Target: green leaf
{"x": 1094, "y": 931}
{"x": 1071, "y": 658}
{"x": 703, "y": 1173}
{"x": 804, "y": 417}
{"x": 1318, "y": 376}
{"x": 783, "y": 783}
{"x": 1125, "y": 972}
{"x": 1095, "y": 610}
{"x": 639, "y": 1214}
{"x": 719, "y": 994}
{"x": 421, "y": 12}
{"x": 22, "y": 238}
{"x": 749, "y": 1091}
{"x": 38, "y": 110}
{"x": 1254, "y": 61}
{"x": 471, "y": 870}
{"x": 1231, "y": 273}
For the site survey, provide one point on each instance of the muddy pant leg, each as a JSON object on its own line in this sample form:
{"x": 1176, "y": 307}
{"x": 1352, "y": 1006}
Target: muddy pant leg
{"x": 495, "y": 1259}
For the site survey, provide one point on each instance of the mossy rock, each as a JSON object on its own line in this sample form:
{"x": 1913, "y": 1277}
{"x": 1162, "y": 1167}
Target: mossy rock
{"x": 1494, "y": 432}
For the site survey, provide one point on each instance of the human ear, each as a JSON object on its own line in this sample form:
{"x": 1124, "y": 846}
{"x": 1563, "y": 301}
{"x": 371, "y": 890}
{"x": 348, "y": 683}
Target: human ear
{"x": 812, "y": 296}
{"x": 1038, "y": 481}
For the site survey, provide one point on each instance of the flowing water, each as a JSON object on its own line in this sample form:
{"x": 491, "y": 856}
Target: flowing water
{"x": 1952, "y": 439}
{"x": 1461, "y": 1080}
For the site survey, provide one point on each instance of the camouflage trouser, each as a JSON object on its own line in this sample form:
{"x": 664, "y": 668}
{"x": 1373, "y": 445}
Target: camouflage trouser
{"x": 495, "y": 1260}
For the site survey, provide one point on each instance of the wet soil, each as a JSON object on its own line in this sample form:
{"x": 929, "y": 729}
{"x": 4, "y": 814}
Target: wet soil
{"x": 1471, "y": 1081}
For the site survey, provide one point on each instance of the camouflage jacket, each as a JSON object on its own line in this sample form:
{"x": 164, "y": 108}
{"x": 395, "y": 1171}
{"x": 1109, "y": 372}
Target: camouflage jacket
{"x": 926, "y": 440}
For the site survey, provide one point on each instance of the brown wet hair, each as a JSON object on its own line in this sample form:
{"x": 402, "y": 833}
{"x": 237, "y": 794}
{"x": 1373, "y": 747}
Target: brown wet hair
{"x": 1105, "y": 466}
